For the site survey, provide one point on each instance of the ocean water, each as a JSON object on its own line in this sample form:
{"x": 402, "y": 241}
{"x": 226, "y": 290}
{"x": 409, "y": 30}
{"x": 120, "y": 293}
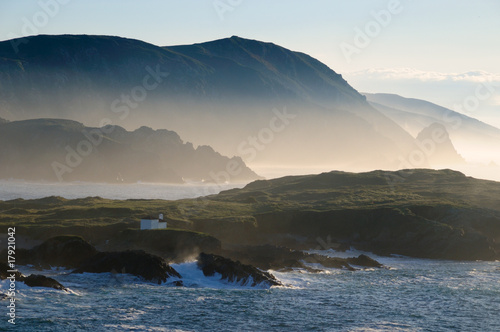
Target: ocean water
{"x": 12, "y": 189}
{"x": 410, "y": 295}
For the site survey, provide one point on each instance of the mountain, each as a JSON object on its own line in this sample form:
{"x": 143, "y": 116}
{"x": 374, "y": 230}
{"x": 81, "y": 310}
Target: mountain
{"x": 66, "y": 150}
{"x": 243, "y": 97}
{"x": 435, "y": 142}
{"x": 475, "y": 140}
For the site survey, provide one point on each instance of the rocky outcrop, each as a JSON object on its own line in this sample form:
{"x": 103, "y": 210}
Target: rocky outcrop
{"x": 438, "y": 147}
{"x": 65, "y": 251}
{"x": 266, "y": 257}
{"x": 38, "y": 280}
{"x": 269, "y": 257}
{"x": 33, "y": 280}
{"x": 136, "y": 262}
{"x": 235, "y": 271}
{"x": 4, "y": 267}
{"x": 365, "y": 261}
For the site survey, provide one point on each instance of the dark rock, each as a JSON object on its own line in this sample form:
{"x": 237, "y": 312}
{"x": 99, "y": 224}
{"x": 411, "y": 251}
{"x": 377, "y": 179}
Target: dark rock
{"x": 136, "y": 262}
{"x": 363, "y": 260}
{"x": 266, "y": 257}
{"x": 65, "y": 250}
{"x": 234, "y": 271}
{"x": 4, "y": 267}
{"x": 329, "y": 262}
{"x": 269, "y": 257}
{"x": 34, "y": 280}
{"x": 37, "y": 280}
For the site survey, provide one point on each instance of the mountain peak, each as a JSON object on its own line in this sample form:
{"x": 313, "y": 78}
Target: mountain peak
{"x": 435, "y": 142}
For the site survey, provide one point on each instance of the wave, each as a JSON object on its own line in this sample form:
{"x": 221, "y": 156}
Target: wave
{"x": 193, "y": 277}
{"x": 23, "y": 290}
{"x": 80, "y": 283}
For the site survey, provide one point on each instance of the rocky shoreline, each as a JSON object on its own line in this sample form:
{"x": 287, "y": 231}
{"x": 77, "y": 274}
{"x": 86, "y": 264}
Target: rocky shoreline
{"x": 244, "y": 265}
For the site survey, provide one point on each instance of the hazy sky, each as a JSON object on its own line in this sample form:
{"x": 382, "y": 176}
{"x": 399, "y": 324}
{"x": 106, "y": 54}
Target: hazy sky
{"x": 435, "y": 50}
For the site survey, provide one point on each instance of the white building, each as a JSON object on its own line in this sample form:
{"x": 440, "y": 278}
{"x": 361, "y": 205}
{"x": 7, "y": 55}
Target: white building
{"x": 150, "y": 223}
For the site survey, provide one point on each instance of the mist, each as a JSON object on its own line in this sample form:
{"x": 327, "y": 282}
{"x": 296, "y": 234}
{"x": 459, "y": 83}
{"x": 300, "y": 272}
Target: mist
{"x": 214, "y": 112}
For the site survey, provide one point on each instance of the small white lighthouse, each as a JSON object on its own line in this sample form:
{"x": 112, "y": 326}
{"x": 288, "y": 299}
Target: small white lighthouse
{"x": 150, "y": 223}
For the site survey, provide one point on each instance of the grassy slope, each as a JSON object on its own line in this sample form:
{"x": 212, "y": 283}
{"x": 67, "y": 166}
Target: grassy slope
{"x": 418, "y": 201}
{"x": 324, "y": 192}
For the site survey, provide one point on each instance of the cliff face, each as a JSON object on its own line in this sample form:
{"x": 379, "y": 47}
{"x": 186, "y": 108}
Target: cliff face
{"x": 64, "y": 150}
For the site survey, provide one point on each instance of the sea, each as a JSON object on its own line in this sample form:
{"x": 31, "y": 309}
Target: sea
{"x": 407, "y": 295}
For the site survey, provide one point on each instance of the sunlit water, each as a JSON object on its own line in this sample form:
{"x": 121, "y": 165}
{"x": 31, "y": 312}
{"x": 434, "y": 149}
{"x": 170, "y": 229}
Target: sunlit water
{"x": 413, "y": 295}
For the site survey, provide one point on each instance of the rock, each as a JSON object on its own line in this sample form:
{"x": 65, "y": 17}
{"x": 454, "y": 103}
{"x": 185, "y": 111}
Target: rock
{"x": 65, "y": 250}
{"x": 234, "y": 271}
{"x": 281, "y": 258}
{"x": 37, "y": 280}
{"x": 136, "y": 262}
{"x": 34, "y": 280}
{"x": 363, "y": 260}
{"x": 329, "y": 262}
{"x": 4, "y": 267}
{"x": 266, "y": 257}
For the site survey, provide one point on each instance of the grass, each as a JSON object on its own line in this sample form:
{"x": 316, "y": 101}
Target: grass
{"x": 325, "y": 192}
{"x": 424, "y": 205}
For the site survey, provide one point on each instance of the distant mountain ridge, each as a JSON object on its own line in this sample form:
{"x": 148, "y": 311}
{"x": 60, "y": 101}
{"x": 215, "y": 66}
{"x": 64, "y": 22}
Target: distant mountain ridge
{"x": 472, "y": 138}
{"x": 66, "y": 150}
{"x": 227, "y": 68}
{"x": 224, "y": 93}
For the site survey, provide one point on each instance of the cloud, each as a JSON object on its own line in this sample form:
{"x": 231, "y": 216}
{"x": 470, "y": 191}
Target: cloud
{"x": 424, "y": 76}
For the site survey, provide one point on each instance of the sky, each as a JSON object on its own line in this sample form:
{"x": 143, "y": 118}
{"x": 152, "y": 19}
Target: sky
{"x": 442, "y": 51}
